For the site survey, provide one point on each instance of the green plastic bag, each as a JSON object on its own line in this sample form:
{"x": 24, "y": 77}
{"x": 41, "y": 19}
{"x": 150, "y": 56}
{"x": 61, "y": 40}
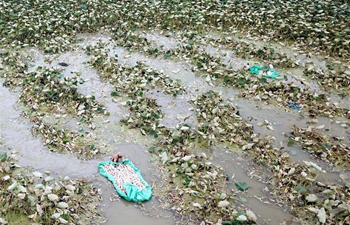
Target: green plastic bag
{"x": 133, "y": 193}
{"x": 255, "y": 70}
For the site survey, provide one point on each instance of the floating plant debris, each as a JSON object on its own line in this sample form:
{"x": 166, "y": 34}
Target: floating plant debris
{"x": 329, "y": 149}
{"x": 45, "y": 201}
{"x": 63, "y": 64}
{"x": 213, "y": 39}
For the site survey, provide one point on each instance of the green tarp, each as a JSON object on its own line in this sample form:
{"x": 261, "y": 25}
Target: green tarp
{"x": 133, "y": 193}
{"x": 269, "y": 72}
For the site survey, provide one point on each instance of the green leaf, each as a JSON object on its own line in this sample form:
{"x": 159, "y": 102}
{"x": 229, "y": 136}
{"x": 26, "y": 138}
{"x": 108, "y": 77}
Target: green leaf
{"x": 83, "y": 6}
{"x": 337, "y": 211}
{"x": 235, "y": 222}
{"x": 175, "y": 139}
{"x": 241, "y": 81}
{"x": 239, "y": 213}
{"x": 300, "y": 189}
{"x": 155, "y": 116}
{"x": 263, "y": 80}
{"x": 6, "y": 84}
{"x": 187, "y": 180}
{"x": 3, "y": 156}
{"x": 167, "y": 56}
{"x": 153, "y": 132}
{"x": 242, "y": 186}
{"x": 100, "y": 109}
{"x": 152, "y": 159}
{"x": 244, "y": 200}
{"x": 65, "y": 216}
{"x": 326, "y": 146}
{"x": 290, "y": 143}
{"x": 115, "y": 93}
{"x": 151, "y": 149}
{"x": 79, "y": 40}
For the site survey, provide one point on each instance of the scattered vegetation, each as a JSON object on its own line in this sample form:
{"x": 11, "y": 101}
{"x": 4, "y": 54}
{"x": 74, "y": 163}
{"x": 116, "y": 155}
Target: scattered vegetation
{"x": 39, "y": 197}
{"x": 196, "y": 188}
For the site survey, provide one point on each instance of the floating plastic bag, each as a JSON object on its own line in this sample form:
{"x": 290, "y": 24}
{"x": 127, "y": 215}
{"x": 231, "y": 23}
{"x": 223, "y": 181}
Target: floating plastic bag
{"x": 269, "y": 73}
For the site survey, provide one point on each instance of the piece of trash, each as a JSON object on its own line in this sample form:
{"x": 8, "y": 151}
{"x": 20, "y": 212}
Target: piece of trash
{"x": 294, "y": 106}
{"x": 63, "y": 64}
{"x": 256, "y": 70}
{"x": 242, "y": 186}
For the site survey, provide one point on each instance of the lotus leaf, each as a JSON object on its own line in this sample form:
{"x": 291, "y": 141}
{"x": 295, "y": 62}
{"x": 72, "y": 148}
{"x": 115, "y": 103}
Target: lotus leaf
{"x": 52, "y": 197}
{"x": 322, "y": 215}
{"x": 12, "y": 186}
{"x": 37, "y": 174}
{"x": 62, "y": 205}
{"x": 223, "y": 203}
{"x": 56, "y": 215}
{"x": 242, "y": 218}
{"x": 250, "y": 215}
{"x": 3, "y": 156}
{"x": 311, "y": 198}
{"x": 21, "y": 195}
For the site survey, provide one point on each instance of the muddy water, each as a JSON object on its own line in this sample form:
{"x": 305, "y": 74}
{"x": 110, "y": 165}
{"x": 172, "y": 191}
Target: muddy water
{"x": 239, "y": 169}
{"x": 119, "y": 211}
{"x": 294, "y": 76}
{"x": 15, "y": 133}
{"x": 291, "y": 52}
{"x": 281, "y": 120}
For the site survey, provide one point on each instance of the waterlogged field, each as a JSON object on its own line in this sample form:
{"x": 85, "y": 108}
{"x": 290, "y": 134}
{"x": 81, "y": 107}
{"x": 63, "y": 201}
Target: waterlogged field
{"x": 163, "y": 83}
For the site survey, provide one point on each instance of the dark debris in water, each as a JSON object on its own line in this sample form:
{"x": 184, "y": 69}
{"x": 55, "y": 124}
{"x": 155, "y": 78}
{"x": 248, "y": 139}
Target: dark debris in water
{"x": 63, "y": 64}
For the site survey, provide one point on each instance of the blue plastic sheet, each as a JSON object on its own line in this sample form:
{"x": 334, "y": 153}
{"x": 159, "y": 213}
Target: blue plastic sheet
{"x": 294, "y": 106}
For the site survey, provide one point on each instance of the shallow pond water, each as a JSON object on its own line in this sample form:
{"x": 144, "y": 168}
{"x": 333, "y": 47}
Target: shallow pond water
{"x": 239, "y": 169}
{"x": 15, "y": 132}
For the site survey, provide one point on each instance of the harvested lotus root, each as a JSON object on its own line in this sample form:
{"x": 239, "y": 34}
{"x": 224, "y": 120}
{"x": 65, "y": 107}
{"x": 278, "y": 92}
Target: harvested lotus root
{"x": 124, "y": 174}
